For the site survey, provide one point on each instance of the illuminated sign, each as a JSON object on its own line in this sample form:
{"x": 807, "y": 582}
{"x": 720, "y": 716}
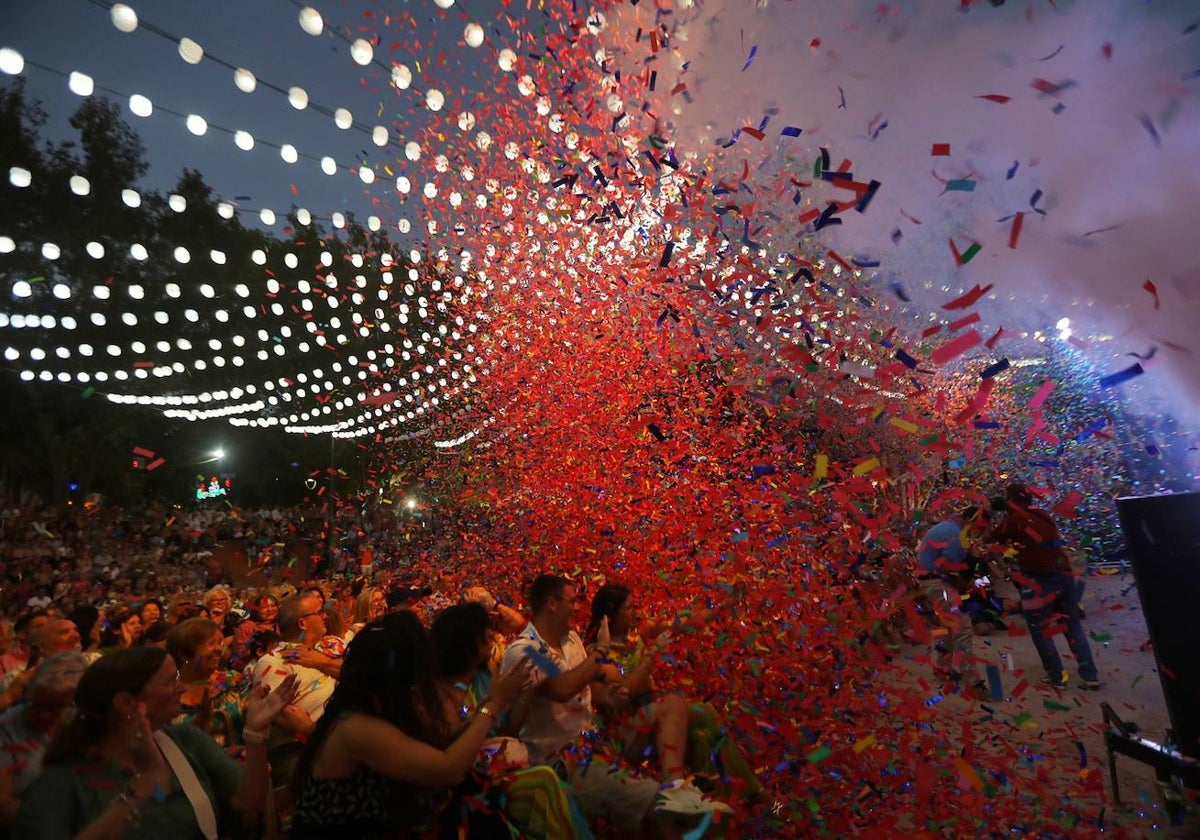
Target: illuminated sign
{"x": 214, "y": 487}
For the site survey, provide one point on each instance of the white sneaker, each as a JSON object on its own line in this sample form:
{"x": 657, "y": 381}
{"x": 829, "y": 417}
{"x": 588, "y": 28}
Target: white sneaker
{"x": 682, "y": 797}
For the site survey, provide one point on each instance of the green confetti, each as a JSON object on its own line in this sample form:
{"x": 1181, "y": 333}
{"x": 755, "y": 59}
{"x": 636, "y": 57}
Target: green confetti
{"x": 1058, "y": 707}
{"x": 818, "y": 755}
{"x": 970, "y": 253}
{"x": 88, "y": 391}
{"x": 1100, "y": 637}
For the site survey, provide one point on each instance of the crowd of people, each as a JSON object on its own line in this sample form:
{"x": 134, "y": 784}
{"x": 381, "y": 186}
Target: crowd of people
{"x": 367, "y": 702}
{"x": 143, "y": 696}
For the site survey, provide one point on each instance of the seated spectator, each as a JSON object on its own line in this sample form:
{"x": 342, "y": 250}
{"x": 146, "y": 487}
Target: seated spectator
{"x": 219, "y": 603}
{"x": 151, "y": 611}
{"x": 155, "y": 634}
{"x": 559, "y": 726}
{"x": 370, "y": 606}
{"x": 26, "y": 729}
{"x": 264, "y": 614}
{"x": 503, "y": 620}
{"x": 407, "y": 598}
{"x": 213, "y": 698}
{"x": 333, "y": 643}
{"x": 301, "y": 625}
{"x": 122, "y": 630}
{"x": 87, "y": 622}
{"x": 21, "y": 629}
{"x": 709, "y": 752}
{"x": 113, "y": 770}
{"x": 535, "y": 798}
{"x": 54, "y": 635}
{"x": 16, "y": 658}
{"x": 185, "y": 608}
{"x": 381, "y": 762}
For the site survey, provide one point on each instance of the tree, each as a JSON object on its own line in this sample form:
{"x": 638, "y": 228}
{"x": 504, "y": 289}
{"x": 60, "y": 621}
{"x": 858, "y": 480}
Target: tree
{"x": 171, "y": 297}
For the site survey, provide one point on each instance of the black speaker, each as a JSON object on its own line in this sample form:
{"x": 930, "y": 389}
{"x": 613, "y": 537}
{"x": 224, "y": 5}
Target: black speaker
{"x": 1163, "y": 535}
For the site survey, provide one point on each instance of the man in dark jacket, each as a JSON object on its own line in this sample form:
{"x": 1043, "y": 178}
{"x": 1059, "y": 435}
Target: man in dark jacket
{"x": 1048, "y": 591}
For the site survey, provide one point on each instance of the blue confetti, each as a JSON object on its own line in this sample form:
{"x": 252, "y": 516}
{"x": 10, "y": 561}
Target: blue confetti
{"x": 750, "y": 58}
{"x": 1149, "y": 126}
{"x": 1115, "y": 379}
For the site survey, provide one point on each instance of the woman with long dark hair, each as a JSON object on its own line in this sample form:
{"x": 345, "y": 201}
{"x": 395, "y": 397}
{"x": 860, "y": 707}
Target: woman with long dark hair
{"x": 118, "y": 768}
{"x": 382, "y": 759}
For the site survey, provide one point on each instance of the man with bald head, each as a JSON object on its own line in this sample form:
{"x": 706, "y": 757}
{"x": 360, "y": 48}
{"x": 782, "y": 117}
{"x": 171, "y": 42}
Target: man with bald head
{"x": 48, "y": 637}
{"x": 302, "y": 625}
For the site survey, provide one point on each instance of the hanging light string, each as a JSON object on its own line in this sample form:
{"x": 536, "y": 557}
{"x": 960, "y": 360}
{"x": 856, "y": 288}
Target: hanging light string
{"x": 197, "y": 125}
{"x": 125, "y": 19}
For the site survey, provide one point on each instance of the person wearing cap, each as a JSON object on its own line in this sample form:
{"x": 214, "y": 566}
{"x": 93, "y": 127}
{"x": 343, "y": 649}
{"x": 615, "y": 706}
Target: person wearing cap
{"x": 407, "y": 597}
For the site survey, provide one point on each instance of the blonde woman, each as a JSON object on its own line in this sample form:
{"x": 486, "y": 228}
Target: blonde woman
{"x": 371, "y": 605}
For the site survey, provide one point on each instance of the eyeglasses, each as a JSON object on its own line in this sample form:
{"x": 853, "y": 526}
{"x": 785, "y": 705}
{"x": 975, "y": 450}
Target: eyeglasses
{"x": 311, "y": 614}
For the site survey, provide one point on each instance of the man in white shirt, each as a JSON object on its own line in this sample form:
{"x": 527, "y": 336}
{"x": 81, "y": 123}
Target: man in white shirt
{"x": 557, "y": 727}
{"x": 301, "y": 625}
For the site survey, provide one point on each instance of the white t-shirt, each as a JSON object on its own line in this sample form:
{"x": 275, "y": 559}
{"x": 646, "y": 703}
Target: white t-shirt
{"x": 315, "y": 687}
{"x": 550, "y": 726}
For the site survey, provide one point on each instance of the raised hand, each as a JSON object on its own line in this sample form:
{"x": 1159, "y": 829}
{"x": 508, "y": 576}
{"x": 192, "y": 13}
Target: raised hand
{"x": 264, "y": 704}
{"x": 147, "y": 759}
{"x": 616, "y": 696}
{"x": 479, "y": 595}
{"x": 509, "y": 684}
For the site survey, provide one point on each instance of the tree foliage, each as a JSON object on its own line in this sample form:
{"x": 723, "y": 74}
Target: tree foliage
{"x": 171, "y": 299}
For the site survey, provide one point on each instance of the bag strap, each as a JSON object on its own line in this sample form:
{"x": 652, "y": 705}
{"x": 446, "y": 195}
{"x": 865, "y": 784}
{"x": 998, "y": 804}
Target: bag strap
{"x": 192, "y": 789}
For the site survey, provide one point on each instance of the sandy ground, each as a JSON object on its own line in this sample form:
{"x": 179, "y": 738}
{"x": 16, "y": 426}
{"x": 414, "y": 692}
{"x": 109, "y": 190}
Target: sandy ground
{"x": 1049, "y": 721}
